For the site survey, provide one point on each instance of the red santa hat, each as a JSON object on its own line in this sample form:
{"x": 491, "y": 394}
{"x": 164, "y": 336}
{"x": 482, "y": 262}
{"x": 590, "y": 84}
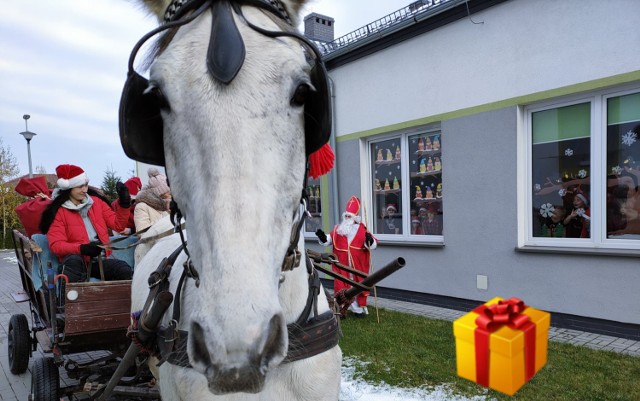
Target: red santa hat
{"x": 392, "y": 206}
{"x": 353, "y": 206}
{"x": 70, "y": 176}
{"x": 133, "y": 184}
{"x": 353, "y": 209}
{"x": 583, "y": 197}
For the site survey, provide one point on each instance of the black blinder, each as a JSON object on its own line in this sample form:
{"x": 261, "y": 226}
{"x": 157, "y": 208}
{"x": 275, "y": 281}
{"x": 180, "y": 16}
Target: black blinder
{"x": 140, "y": 122}
{"x": 141, "y": 127}
{"x": 317, "y": 110}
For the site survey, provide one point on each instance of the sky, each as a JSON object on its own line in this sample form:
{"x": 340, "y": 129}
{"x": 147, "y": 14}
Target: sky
{"x": 64, "y": 63}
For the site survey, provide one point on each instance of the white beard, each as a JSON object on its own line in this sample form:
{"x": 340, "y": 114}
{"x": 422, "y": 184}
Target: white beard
{"x": 346, "y": 227}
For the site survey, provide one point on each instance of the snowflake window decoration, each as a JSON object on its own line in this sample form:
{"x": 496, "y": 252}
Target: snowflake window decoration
{"x": 582, "y": 173}
{"x": 580, "y": 212}
{"x": 546, "y": 210}
{"x": 629, "y": 138}
{"x": 617, "y": 170}
{"x": 562, "y": 192}
{"x": 537, "y": 187}
{"x": 568, "y": 152}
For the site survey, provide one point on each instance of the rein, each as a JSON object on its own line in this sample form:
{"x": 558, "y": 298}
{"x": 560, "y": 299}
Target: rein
{"x": 312, "y": 333}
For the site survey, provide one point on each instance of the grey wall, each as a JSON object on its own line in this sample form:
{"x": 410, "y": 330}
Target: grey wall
{"x": 480, "y": 233}
{"x": 524, "y": 49}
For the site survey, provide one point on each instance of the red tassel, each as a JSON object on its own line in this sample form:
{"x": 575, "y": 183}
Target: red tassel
{"x": 321, "y": 161}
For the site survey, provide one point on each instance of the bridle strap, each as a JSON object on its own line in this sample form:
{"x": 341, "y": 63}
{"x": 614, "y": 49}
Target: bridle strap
{"x": 176, "y": 22}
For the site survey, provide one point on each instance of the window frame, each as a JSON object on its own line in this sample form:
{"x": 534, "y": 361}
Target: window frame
{"x": 598, "y": 243}
{"x": 406, "y": 238}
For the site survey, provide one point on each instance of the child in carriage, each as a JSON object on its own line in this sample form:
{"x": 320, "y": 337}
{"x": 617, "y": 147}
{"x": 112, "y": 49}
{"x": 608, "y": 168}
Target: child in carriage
{"x": 77, "y": 221}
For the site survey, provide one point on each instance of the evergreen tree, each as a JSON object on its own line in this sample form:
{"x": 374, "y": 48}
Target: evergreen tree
{"x": 109, "y": 184}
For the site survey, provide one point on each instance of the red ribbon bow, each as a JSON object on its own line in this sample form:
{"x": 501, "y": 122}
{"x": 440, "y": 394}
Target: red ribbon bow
{"x": 492, "y": 317}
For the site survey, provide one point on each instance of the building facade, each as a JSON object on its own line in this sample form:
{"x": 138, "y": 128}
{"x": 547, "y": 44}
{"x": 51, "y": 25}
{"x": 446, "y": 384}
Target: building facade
{"x": 495, "y": 146}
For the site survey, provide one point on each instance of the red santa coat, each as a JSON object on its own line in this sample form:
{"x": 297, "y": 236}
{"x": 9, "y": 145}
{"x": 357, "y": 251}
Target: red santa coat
{"x": 354, "y": 255}
{"x": 67, "y": 232}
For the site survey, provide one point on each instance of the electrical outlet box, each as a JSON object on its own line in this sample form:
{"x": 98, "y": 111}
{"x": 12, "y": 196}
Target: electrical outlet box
{"x": 482, "y": 282}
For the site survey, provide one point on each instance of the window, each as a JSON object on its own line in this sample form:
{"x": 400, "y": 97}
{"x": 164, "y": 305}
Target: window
{"x": 313, "y": 222}
{"x": 583, "y": 172}
{"x": 561, "y": 169}
{"x": 406, "y": 186}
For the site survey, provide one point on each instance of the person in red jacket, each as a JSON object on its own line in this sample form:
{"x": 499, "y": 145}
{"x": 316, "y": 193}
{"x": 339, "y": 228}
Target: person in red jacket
{"x": 352, "y": 245}
{"x": 134, "y": 185}
{"x": 77, "y": 222}
{"x": 30, "y": 212}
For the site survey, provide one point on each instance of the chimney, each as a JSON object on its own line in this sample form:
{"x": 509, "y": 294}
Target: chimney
{"x": 318, "y": 27}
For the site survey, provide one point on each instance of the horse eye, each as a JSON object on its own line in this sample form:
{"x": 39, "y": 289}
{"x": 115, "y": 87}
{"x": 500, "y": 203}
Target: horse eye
{"x": 301, "y": 95}
{"x": 157, "y": 96}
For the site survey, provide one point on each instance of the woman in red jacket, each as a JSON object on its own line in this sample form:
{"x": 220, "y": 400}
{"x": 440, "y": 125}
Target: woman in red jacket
{"x": 77, "y": 221}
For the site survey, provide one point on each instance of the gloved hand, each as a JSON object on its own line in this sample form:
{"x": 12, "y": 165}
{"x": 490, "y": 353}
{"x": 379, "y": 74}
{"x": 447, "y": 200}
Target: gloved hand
{"x": 124, "y": 198}
{"x": 321, "y": 235}
{"x": 368, "y": 238}
{"x": 91, "y": 249}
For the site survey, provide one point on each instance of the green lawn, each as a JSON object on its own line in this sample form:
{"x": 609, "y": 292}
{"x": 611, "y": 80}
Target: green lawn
{"x": 413, "y": 351}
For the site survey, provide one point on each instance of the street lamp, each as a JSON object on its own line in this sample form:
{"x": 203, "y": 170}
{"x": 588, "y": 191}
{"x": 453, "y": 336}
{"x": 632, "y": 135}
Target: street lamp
{"x": 28, "y": 135}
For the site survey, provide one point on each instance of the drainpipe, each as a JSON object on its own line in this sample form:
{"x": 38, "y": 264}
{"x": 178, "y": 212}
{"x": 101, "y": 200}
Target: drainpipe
{"x": 332, "y": 141}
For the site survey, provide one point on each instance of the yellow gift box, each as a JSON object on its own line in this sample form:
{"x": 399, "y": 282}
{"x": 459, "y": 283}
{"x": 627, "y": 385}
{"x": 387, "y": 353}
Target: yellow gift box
{"x": 517, "y": 337}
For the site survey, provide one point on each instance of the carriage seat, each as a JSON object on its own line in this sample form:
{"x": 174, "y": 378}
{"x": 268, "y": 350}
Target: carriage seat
{"x": 41, "y": 259}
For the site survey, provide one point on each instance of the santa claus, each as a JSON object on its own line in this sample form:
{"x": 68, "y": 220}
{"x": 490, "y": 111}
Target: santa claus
{"x": 352, "y": 244}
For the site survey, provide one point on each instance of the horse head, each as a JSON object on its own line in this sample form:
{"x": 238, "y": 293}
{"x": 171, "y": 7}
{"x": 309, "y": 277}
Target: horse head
{"x": 232, "y": 108}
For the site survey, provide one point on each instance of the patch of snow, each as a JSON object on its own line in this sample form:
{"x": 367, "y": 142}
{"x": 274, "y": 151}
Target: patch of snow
{"x": 356, "y": 389}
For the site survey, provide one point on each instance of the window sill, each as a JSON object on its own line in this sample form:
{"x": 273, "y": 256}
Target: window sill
{"x": 585, "y": 251}
{"x": 394, "y": 242}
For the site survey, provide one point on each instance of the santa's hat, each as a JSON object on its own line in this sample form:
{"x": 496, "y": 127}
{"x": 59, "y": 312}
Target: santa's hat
{"x": 392, "y": 206}
{"x": 70, "y": 176}
{"x": 582, "y": 196}
{"x": 134, "y": 185}
{"x": 353, "y": 206}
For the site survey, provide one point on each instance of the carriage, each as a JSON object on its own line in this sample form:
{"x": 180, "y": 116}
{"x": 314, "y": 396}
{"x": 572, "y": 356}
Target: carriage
{"x": 250, "y": 320}
{"x": 86, "y": 337}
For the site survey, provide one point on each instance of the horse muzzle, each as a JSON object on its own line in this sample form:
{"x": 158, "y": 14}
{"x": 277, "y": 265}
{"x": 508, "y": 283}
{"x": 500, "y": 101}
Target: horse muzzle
{"x": 242, "y": 369}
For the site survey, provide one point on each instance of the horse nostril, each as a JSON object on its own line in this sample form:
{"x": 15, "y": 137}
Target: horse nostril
{"x": 274, "y": 346}
{"x": 199, "y": 346}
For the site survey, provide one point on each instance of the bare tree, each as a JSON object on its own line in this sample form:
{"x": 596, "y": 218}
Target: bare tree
{"x": 8, "y": 198}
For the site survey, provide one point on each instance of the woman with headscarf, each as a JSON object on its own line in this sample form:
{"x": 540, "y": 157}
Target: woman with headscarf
{"x": 152, "y": 202}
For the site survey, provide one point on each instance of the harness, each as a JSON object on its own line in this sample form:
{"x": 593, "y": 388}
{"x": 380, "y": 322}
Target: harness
{"x": 141, "y": 137}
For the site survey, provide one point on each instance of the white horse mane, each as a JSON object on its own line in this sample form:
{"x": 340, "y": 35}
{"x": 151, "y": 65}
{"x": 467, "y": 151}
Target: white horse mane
{"x": 235, "y": 157}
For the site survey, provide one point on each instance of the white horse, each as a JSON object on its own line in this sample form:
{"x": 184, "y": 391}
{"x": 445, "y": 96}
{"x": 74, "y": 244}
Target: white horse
{"x": 235, "y": 157}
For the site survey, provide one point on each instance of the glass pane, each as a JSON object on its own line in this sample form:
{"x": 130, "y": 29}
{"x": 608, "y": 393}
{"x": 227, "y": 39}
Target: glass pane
{"x": 387, "y": 186}
{"x": 425, "y": 171}
{"x": 561, "y": 171}
{"x": 313, "y": 222}
{"x": 623, "y": 167}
